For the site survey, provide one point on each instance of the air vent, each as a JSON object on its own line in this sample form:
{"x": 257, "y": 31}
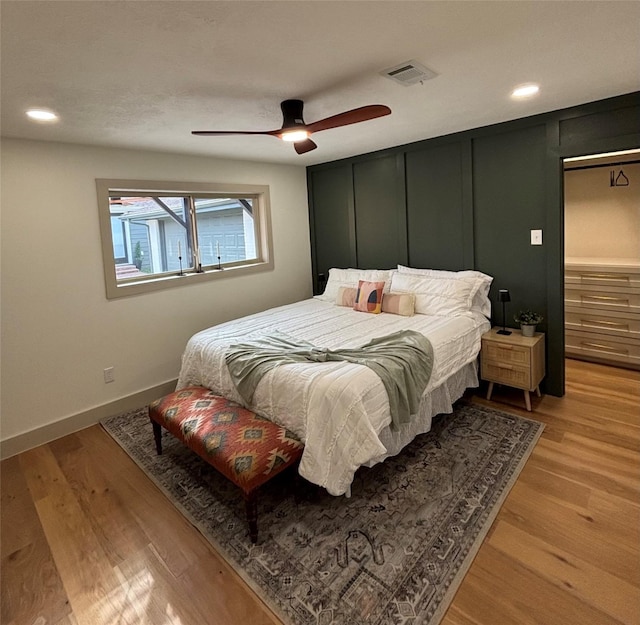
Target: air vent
{"x": 409, "y": 73}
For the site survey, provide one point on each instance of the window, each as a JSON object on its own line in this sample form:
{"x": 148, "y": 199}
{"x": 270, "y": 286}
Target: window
{"x": 156, "y": 235}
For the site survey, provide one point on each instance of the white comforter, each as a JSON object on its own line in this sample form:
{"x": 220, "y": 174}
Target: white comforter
{"x": 337, "y": 409}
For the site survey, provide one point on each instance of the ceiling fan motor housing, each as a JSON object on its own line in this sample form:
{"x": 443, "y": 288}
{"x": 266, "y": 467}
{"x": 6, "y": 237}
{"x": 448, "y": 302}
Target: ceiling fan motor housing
{"x": 292, "y": 113}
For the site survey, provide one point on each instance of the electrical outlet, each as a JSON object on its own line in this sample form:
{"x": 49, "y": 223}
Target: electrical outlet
{"x": 109, "y": 375}
{"x": 536, "y": 237}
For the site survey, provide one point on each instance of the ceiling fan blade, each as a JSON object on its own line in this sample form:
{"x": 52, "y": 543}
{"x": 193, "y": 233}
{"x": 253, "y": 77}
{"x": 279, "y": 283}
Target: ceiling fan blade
{"x": 211, "y": 133}
{"x": 362, "y": 114}
{"x": 302, "y": 147}
{"x": 292, "y": 121}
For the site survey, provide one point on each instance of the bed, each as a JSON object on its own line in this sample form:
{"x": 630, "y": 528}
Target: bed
{"x": 340, "y": 410}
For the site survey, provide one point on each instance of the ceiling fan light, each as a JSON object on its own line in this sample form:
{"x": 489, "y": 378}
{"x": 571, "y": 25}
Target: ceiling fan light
{"x": 294, "y": 135}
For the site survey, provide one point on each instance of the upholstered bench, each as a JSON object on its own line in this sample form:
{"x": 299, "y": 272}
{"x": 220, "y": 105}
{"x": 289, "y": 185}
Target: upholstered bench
{"x": 246, "y": 448}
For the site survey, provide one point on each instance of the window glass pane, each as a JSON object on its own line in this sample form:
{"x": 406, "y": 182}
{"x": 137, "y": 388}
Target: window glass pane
{"x": 154, "y": 235}
{"x": 225, "y": 229}
{"x": 117, "y": 235}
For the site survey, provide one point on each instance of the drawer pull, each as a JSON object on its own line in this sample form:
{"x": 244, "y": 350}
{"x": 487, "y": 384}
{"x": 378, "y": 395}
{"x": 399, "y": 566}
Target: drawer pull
{"x": 604, "y": 276}
{"x": 507, "y": 367}
{"x": 601, "y": 322}
{"x": 620, "y": 350}
{"x": 606, "y": 298}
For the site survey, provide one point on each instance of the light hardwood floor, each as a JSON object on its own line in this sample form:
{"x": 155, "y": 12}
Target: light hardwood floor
{"x": 88, "y": 539}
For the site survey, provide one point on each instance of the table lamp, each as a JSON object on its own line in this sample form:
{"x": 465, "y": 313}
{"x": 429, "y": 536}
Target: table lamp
{"x": 504, "y": 297}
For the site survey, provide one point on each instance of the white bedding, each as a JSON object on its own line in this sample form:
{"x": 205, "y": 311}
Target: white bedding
{"x": 338, "y": 409}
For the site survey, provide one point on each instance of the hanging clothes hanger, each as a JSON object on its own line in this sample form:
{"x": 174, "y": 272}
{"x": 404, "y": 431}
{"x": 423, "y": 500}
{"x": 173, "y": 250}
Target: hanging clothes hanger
{"x": 622, "y": 180}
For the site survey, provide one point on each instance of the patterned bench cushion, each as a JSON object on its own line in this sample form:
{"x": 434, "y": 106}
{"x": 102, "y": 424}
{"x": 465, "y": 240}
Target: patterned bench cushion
{"x": 246, "y": 448}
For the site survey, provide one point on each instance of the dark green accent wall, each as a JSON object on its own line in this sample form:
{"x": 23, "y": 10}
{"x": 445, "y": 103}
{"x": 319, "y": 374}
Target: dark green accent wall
{"x": 381, "y": 226}
{"x": 435, "y": 207}
{"x": 333, "y": 229}
{"x": 509, "y": 201}
{"x": 469, "y": 201}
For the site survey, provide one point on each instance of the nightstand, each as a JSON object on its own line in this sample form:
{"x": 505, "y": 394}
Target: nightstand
{"x": 513, "y": 360}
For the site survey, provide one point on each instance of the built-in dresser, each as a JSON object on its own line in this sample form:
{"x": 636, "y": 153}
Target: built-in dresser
{"x": 602, "y": 310}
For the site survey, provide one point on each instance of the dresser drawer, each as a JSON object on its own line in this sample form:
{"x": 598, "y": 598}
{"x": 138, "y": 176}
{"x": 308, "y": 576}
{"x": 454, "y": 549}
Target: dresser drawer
{"x": 619, "y": 300}
{"x": 602, "y": 277}
{"x": 507, "y": 354}
{"x": 511, "y": 375}
{"x": 611, "y": 323}
{"x": 603, "y": 347}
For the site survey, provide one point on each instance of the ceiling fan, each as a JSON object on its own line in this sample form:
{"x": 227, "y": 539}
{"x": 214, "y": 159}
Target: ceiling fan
{"x": 295, "y": 130}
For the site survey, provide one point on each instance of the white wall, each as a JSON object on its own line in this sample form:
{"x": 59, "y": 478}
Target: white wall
{"x": 602, "y": 221}
{"x": 58, "y": 329}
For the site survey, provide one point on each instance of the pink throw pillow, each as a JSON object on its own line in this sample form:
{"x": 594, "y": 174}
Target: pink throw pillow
{"x": 369, "y": 297}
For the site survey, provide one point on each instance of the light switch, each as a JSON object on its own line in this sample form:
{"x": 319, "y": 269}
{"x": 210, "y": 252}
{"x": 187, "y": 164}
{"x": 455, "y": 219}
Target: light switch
{"x": 536, "y": 237}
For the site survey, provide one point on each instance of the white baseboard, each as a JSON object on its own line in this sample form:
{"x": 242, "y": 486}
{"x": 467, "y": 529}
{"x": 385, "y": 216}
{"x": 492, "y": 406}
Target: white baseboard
{"x": 47, "y": 433}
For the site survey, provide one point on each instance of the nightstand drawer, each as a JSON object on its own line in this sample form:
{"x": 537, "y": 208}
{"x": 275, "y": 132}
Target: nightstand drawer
{"x": 511, "y": 375}
{"x": 493, "y": 351}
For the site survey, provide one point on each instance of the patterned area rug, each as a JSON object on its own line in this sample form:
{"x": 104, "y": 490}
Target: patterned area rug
{"x": 392, "y": 554}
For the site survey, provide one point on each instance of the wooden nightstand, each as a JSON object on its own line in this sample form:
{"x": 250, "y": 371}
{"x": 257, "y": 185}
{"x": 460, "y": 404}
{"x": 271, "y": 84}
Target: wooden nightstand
{"x": 513, "y": 360}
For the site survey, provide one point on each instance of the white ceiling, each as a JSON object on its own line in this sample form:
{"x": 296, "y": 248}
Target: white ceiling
{"x": 143, "y": 74}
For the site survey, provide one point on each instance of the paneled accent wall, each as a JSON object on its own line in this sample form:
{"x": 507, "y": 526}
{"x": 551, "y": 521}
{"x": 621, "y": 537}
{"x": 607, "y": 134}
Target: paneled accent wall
{"x": 435, "y": 207}
{"x": 381, "y": 219}
{"x": 509, "y": 202}
{"x": 469, "y": 201}
{"x": 334, "y": 230}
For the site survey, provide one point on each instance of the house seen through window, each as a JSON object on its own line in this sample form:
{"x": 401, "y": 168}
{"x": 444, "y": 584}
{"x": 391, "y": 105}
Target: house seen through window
{"x": 153, "y": 235}
{"x": 163, "y": 235}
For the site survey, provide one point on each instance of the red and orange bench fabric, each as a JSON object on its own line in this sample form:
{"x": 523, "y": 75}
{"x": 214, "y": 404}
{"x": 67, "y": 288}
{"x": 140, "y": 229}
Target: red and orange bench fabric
{"x": 247, "y": 449}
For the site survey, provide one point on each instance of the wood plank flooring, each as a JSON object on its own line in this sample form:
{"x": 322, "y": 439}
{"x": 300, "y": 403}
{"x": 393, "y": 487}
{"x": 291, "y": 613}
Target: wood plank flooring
{"x": 87, "y": 539}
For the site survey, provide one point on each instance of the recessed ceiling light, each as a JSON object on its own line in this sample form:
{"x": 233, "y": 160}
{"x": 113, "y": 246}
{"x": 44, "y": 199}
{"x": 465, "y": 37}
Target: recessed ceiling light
{"x": 42, "y": 115}
{"x": 525, "y": 91}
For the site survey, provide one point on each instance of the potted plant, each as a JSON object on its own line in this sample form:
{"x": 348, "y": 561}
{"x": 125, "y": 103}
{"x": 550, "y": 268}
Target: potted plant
{"x": 528, "y": 319}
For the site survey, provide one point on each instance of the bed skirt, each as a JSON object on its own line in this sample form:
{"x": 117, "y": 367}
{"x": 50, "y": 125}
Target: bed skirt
{"x": 439, "y": 401}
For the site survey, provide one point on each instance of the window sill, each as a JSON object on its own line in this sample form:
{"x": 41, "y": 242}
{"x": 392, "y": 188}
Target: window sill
{"x": 148, "y": 285}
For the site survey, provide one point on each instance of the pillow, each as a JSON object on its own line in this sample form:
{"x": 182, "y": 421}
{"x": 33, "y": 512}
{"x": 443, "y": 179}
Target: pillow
{"x": 350, "y": 278}
{"x": 347, "y": 296}
{"x": 393, "y": 303}
{"x": 399, "y": 303}
{"x": 369, "y": 297}
{"x": 435, "y": 296}
{"x": 481, "y": 281}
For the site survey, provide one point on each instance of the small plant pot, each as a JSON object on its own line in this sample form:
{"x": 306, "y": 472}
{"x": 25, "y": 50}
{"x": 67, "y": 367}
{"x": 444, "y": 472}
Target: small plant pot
{"x": 527, "y": 330}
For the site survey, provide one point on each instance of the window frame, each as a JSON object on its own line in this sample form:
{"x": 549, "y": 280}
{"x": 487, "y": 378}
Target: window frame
{"x": 107, "y": 187}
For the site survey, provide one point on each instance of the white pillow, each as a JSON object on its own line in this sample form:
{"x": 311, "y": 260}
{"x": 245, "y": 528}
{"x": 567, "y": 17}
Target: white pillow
{"x": 482, "y": 283}
{"x": 351, "y": 277}
{"x": 435, "y": 295}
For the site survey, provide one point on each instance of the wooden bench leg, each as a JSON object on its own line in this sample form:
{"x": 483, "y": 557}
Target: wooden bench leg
{"x": 157, "y": 435}
{"x": 251, "y": 504}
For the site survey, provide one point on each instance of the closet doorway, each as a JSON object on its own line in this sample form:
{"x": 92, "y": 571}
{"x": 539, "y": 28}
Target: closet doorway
{"x": 602, "y": 258}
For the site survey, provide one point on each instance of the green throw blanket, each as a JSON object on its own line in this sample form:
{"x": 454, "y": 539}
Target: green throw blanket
{"x": 403, "y": 361}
